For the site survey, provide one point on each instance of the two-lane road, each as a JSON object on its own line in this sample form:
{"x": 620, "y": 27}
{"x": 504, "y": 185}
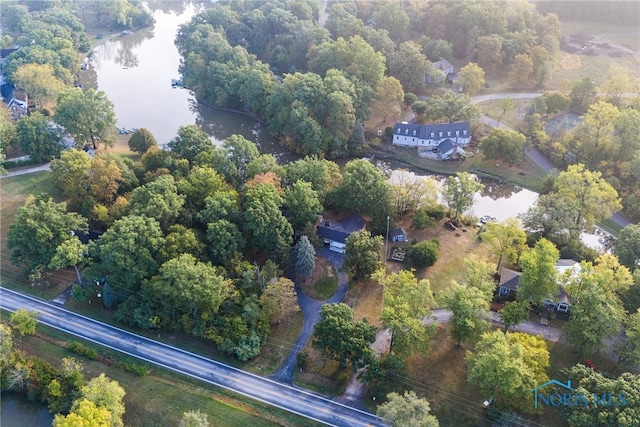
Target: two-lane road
{"x": 280, "y": 395}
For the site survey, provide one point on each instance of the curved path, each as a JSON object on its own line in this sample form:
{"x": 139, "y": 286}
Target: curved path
{"x": 311, "y": 314}
{"x": 297, "y": 401}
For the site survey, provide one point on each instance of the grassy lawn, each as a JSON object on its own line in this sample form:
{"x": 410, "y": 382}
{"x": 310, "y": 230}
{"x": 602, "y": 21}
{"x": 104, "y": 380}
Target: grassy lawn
{"x": 280, "y": 342}
{"x": 323, "y": 283}
{"x": 161, "y": 397}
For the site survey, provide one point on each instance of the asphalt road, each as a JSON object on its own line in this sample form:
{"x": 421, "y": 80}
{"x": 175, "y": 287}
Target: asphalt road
{"x": 282, "y": 396}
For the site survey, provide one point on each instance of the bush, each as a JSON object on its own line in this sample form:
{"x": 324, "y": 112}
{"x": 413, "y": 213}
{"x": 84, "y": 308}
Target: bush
{"x": 139, "y": 370}
{"x": 302, "y": 358}
{"x": 422, "y": 220}
{"x": 82, "y": 350}
{"x": 424, "y": 254}
{"x": 436, "y": 211}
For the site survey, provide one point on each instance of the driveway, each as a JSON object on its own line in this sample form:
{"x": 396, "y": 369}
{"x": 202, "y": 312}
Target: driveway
{"x": 33, "y": 169}
{"x": 311, "y": 313}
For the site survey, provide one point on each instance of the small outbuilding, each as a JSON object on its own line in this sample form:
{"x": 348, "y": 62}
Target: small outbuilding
{"x": 398, "y": 235}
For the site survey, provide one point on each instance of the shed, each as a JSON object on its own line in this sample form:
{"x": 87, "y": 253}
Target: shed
{"x": 398, "y": 235}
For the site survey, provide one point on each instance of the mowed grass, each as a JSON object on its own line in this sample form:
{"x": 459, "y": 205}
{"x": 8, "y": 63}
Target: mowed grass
{"x": 162, "y": 397}
{"x": 14, "y": 191}
{"x": 323, "y": 283}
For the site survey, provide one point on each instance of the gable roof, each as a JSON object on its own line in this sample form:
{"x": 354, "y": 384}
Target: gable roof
{"x": 434, "y": 130}
{"x": 509, "y": 279}
{"x": 398, "y": 231}
{"x": 332, "y": 234}
{"x": 446, "y": 146}
{"x": 442, "y": 65}
{"x": 6, "y": 52}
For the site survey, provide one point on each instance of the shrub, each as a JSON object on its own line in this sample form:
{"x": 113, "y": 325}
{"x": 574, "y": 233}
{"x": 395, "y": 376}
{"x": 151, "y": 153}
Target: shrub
{"x": 83, "y": 350}
{"x": 436, "y": 211}
{"x": 139, "y": 370}
{"x": 424, "y": 254}
{"x": 302, "y": 358}
{"x": 422, "y": 220}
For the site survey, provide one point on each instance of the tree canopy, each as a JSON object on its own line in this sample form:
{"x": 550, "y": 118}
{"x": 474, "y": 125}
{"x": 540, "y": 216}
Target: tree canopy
{"x": 87, "y": 114}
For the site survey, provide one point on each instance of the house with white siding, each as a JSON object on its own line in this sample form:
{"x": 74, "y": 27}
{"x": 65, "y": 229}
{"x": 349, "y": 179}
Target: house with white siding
{"x": 442, "y": 139}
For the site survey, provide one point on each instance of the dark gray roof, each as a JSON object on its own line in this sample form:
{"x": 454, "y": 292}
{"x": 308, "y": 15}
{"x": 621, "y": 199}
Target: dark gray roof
{"x": 434, "y": 131}
{"x": 446, "y": 146}
{"x": 509, "y": 279}
{"x": 442, "y": 65}
{"x": 332, "y": 234}
{"x": 398, "y": 231}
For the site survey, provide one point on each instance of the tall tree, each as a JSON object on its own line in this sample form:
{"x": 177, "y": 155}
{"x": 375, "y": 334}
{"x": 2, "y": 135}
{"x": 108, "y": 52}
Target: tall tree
{"x": 339, "y": 337}
{"x": 468, "y": 306}
{"x": 225, "y": 241}
{"x": 460, "y": 191}
{"x": 409, "y": 65}
{"x": 70, "y": 173}
{"x": 363, "y": 256}
{"x": 305, "y": 258}
{"x": 38, "y": 81}
{"x": 389, "y": 99}
{"x": 323, "y": 175}
{"x": 410, "y": 192}
{"x": 506, "y": 240}
{"x": 407, "y": 410}
{"x": 629, "y": 349}
{"x": 513, "y": 313}
{"x": 69, "y": 253}
{"x": 407, "y": 303}
{"x": 104, "y": 393}
{"x": 471, "y": 78}
{"x": 86, "y": 413}
{"x": 504, "y": 144}
{"x": 521, "y": 72}
{"x": 158, "y": 199}
{"x": 538, "y": 280}
{"x": 240, "y": 151}
{"x": 279, "y": 300}
{"x": 591, "y": 197}
{"x": 627, "y": 246}
{"x": 41, "y": 225}
{"x": 189, "y": 142}
{"x": 591, "y": 383}
{"x": 508, "y": 366}
{"x": 106, "y": 177}
{"x": 262, "y": 216}
{"x": 141, "y": 140}
{"x": 126, "y": 253}
{"x": 302, "y": 204}
{"x": 87, "y": 114}
{"x": 34, "y": 137}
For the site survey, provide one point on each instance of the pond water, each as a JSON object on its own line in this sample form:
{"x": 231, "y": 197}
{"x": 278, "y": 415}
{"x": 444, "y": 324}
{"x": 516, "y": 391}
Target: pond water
{"x": 135, "y": 72}
{"x": 18, "y": 412}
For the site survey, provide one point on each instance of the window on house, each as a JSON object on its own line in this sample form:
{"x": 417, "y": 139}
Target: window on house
{"x": 406, "y": 131}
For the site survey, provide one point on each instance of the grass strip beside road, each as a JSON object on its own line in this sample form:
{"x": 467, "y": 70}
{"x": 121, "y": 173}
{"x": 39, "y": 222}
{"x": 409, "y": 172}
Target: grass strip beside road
{"x": 161, "y": 397}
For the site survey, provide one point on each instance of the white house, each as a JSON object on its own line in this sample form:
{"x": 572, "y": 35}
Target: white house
{"x": 440, "y": 140}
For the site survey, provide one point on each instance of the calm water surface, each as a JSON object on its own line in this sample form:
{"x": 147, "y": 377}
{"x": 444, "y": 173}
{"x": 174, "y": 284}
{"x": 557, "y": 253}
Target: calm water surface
{"x": 18, "y": 412}
{"x": 135, "y": 72}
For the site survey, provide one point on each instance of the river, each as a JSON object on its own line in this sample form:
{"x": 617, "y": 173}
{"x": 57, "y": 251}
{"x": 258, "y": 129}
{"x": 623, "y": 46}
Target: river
{"x": 18, "y": 412}
{"x": 135, "y": 72}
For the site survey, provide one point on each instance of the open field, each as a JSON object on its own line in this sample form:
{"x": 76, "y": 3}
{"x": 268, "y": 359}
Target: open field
{"x": 161, "y": 397}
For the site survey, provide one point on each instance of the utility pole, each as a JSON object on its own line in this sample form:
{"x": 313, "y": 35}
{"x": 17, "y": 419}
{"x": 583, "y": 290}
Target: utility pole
{"x": 386, "y": 243}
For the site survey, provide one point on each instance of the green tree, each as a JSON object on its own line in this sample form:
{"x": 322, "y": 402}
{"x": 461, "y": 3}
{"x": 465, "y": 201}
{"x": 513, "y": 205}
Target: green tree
{"x": 389, "y": 99}
{"x": 629, "y": 349}
{"x": 407, "y": 303}
{"x": 180, "y": 240}
{"x": 24, "y": 321}
{"x": 104, "y": 393}
{"x": 106, "y": 177}
{"x": 127, "y": 252}
{"x": 385, "y": 375}
{"x": 70, "y": 173}
{"x": 38, "y": 81}
{"x": 504, "y": 144}
{"x": 141, "y": 140}
{"x": 369, "y": 183}
{"x": 590, "y": 196}
{"x": 339, "y": 337}
{"x": 305, "y": 258}
{"x": 424, "y": 254}
{"x": 471, "y": 78}
{"x": 513, "y": 313}
{"x": 6, "y": 345}
{"x": 87, "y": 114}
{"x": 508, "y": 366}
{"x": 521, "y": 72}
{"x": 186, "y": 286}
{"x": 194, "y": 419}
{"x": 363, "y": 254}
{"x": 302, "y": 204}
{"x": 409, "y": 65}
{"x": 279, "y": 300}
{"x": 85, "y": 414}
{"x": 590, "y": 383}
{"x": 407, "y": 411}
{"x": 506, "y": 240}
{"x": 41, "y": 225}
{"x": 202, "y": 182}
{"x": 538, "y": 280}
{"x": 468, "y": 306}
{"x": 225, "y": 241}
{"x": 582, "y": 93}
{"x": 262, "y": 217}
{"x": 158, "y": 199}
{"x": 460, "y": 191}
{"x": 594, "y": 317}
{"x": 627, "y": 246}
{"x": 69, "y": 253}
{"x": 241, "y": 152}
{"x": 393, "y": 18}
{"x": 452, "y": 107}
{"x": 34, "y": 137}
{"x": 410, "y": 192}
{"x": 322, "y": 174}
{"x": 190, "y": 142}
